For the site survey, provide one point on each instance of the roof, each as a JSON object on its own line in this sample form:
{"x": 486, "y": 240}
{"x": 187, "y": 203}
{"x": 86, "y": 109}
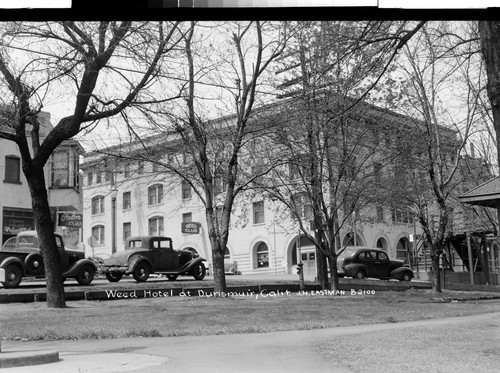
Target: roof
{"x": 486, "y": 194}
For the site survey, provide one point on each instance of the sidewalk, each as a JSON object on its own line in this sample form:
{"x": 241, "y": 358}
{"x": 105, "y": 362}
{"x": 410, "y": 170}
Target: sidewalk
{"x": 291, "y": 351}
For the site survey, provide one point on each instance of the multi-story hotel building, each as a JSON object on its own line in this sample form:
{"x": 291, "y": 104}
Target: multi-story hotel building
{"x": 127, "y": 195}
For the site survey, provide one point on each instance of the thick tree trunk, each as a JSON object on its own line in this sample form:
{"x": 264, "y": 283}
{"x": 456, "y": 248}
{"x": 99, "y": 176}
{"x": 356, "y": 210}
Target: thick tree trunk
{"x": 218, "y": 265}
{"x": 490, "y": 45}
{"x": 45, "y": 230}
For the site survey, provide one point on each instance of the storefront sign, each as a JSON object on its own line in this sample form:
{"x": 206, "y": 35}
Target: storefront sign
{"x": 70, "y": 219}
{"x": 192, "y": 228}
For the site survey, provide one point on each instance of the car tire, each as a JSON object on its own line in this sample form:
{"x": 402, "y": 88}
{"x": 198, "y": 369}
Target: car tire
{"x": 141, "y": 272}
{"x": 172, "y": 277}
{"x": 86, "y": 275}
{"x": 199, "y": 271}
{"x": 407, "y": 276}
{"x": 34, "y": 264}
{"x": 360, "y": 275}
{"x": 13, "y": 276}
{"x": 114, "y": 276}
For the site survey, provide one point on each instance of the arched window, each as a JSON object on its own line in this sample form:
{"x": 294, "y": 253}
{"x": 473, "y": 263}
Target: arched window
{"x": 262, "y": 255}
{"x": 349, "y": 240}
{"x": 382, "y": 244}
{"x": 155, "y": 225}
{"x": 155, "y": 194}
{"x": 97, "y": 205}
{"x": 98, "y": 234}
{"x": 402, "y": 249}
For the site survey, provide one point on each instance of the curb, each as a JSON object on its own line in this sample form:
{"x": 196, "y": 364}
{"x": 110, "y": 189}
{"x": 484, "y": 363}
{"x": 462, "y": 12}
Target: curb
{"x": 24, "y": 358}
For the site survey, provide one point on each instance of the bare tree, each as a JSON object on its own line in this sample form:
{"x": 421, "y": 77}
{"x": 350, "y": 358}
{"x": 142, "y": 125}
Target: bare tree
{"x": 437, "y": 77}
{"x": 105, "y": 66}
{"x": 329, "y": 70}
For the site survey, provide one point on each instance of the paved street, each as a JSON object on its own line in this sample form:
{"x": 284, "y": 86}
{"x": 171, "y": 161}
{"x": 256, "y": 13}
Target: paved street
{"x": 291, "y": 351}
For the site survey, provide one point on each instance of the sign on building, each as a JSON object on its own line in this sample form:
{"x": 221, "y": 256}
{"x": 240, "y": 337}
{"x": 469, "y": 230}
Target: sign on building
{"x": 191, "y": 228}
{"x": 69, "y": 219}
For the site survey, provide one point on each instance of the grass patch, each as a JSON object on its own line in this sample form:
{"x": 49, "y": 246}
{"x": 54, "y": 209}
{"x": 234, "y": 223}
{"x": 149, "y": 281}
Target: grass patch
{"x": 177, "y": 316}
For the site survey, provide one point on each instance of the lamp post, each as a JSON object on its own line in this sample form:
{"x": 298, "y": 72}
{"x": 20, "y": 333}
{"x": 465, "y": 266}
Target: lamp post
{"x": 114, "y": 193}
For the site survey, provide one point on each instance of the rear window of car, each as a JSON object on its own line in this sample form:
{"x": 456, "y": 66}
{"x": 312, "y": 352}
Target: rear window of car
{"x": 134, "y": 243}
{"x": 346, "y": 253}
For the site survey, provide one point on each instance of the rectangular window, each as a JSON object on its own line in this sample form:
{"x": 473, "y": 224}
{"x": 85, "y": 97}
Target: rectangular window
{"x": 127, "y": 200}
{"x": 140, "y": 167}
{"x": 186, "y": 190}
{"x": 258, "y": 212}
{"x": 127, "y": 230}
{"x": 126, "y": 170}
{"x": 156, "y": 226}
{"x": 155, "y": 167}
{"x": 98, "y": 175}
{"x": 380, "y": 213}
{"x": 60, "y": 169}
{"x": 97, "y": 205}
{"x": 302, "y": 206}
{"x": 98, "y": 234}
{"x": 219, "y": 185}
{"x": 155, "y": 194}
{"x": 187, "y": 218}
{"x": 12, "y": 169}
{"x": 90, "y": 176}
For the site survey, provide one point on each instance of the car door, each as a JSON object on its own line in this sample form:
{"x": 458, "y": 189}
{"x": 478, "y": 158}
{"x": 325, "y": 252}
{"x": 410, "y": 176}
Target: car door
{"x": 168, "y": 256}
{"x": 367, "y": 259}
{"x": 382, "y": 265}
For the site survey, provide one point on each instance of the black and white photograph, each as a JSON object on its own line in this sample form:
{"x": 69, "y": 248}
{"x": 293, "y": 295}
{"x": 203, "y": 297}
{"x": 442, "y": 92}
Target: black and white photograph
{"x": 249, "y": 186}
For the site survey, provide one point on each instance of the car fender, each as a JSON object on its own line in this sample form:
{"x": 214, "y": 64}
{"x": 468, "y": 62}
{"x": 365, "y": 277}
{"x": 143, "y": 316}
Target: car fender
{"x": 398, "y": 272}
{"x": 134, "y": 261}
{"x": 187, "y": 267}
{"x": 352, "y": 268}
{"x": 76, "y": 267}
{"x": 13, "y": 259}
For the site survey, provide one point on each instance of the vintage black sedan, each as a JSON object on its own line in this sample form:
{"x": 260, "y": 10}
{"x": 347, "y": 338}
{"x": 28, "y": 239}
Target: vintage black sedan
{"x": 144, "y": 255}
{"x": 21, "y": 257}
{"x": 363, "y": 262}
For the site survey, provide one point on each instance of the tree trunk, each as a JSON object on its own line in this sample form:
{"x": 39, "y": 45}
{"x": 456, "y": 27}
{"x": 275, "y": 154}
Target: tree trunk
{"x": 436, "y": 273}
{"x": 334, "y": 276}
{"x": 218, "y": 265}
{"x": 490, "y": 45}
{"x": 45, "y": 231}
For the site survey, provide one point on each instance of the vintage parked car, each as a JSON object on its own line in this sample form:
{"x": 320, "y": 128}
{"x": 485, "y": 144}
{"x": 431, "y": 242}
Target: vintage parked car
{"x": 363, "y": 262}
{"x": 21, "y": 257}
{"x": 144, "y": 255}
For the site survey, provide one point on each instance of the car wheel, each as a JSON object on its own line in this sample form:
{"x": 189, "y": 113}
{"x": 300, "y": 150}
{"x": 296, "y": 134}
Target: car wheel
{"x": 13, "y": 276}
{"x": 86, "y": 275}
{"x": 114, "y": 276}
{"x": 172, "y": 277}
{"x": 141, "y": 272}
{"x": 199, "y": 271}
{"x": 34, "y": 264}
{"x": 407, "y": 276}
{"x": 360, "y": 275}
